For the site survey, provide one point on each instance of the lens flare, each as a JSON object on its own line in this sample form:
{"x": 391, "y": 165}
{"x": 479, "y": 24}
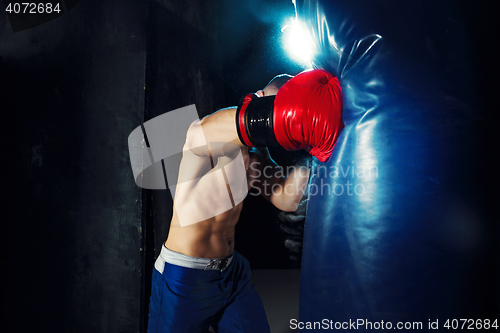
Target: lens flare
{"x": 298, "y": 42}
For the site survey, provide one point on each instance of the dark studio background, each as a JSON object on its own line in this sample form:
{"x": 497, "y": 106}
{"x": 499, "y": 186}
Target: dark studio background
{"x": 81, "y": 236}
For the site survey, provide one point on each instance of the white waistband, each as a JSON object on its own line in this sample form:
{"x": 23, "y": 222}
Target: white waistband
{"x": 183, "y": 260}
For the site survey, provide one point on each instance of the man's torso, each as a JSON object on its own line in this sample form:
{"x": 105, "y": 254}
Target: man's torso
{"x": 212, "y": 237}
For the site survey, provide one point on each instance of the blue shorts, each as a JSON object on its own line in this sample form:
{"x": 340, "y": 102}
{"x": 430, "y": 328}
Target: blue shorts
{"x": 190, "y": 300}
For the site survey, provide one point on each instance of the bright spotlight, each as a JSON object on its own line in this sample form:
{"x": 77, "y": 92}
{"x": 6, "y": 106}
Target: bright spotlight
{"x": 298, "y": 42}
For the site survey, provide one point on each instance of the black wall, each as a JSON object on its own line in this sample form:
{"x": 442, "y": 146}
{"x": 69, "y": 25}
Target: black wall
{"x": 72, "y": 90}
{"x": 80, "y": 234}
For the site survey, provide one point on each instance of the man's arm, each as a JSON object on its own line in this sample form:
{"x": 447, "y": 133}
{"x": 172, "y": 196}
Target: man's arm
{"x": 284, "y": 192}
{"x": 218, "y": 127}
{"x": 206, "y": 167}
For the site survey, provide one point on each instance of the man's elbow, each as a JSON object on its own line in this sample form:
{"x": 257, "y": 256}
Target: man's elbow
{"x": 195, "y": 139}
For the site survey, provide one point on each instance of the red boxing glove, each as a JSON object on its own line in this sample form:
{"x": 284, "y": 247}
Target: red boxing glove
{"x": 305, "y": 114}
{"x": 308, "y": 113}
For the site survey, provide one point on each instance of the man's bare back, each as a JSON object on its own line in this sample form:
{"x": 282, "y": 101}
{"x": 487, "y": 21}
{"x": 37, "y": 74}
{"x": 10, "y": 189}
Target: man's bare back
{"x": 198, "y": 268}
{"x": 213, "y": 237}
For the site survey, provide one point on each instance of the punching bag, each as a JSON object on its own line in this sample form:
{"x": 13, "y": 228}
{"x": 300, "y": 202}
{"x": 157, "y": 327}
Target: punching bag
{"x": 400, "y": 225}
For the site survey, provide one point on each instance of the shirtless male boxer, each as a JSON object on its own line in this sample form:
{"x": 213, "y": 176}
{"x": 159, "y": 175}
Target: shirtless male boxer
{"x": 199, "y": 279}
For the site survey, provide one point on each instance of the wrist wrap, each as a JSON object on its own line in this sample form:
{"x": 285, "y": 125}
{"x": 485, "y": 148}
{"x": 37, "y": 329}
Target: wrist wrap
{"x": 254, "y": 121}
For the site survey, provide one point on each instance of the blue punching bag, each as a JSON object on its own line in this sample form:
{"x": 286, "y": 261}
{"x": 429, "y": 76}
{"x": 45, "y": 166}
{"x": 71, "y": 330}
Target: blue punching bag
{"x": 399, "y": 225}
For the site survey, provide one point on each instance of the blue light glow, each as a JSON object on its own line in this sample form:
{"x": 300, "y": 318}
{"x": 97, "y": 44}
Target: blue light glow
{"x": 297, "y": 41}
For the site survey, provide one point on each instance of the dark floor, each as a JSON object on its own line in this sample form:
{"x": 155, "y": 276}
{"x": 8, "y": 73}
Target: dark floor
{"x": 279, "y": 290}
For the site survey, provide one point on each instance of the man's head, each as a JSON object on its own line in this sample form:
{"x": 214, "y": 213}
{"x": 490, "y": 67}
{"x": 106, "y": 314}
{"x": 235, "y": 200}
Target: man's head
{"x": 274, "y": 85}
